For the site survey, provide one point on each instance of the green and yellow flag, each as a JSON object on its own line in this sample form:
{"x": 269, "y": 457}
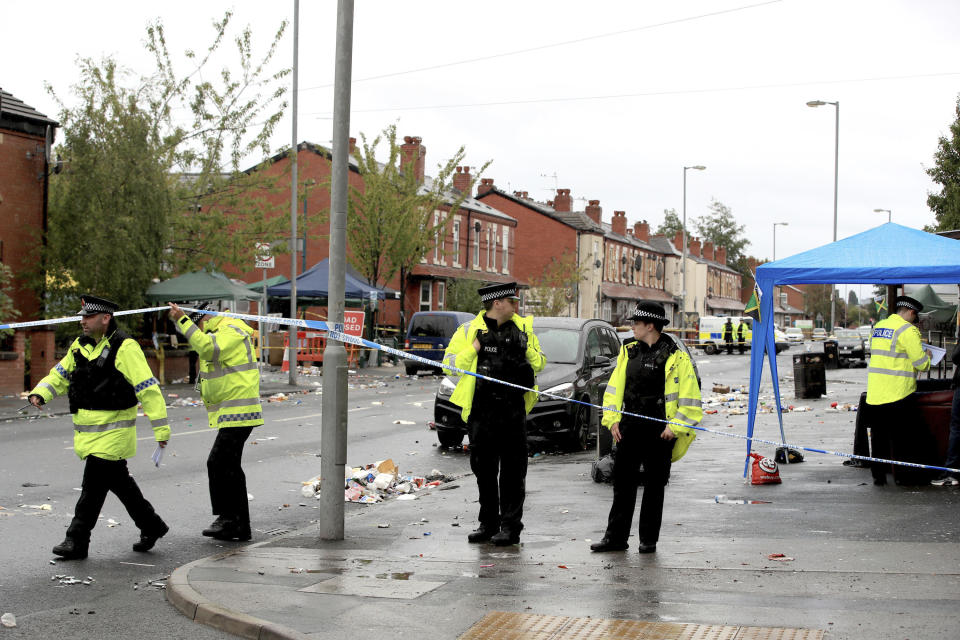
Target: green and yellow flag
{"x": 753, "y": 304}
{"x": 881, "y": 303}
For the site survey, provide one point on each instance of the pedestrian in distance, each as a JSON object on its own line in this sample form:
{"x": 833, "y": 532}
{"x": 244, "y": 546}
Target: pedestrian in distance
{"x": 499, "y": 344}
{"x": 229, "y": 380}
{"x": 947, "y": 479}
{"x": 742, "y": 330}
{"x": 654, "y": 379}
{"x": 896, "y": 355}
{"x": 728, "y": 336}
{"x": 105, "y": 375}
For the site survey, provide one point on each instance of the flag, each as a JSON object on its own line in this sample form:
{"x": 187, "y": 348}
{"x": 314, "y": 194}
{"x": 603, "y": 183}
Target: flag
{"x": 753, "y": 304}
{"x": 881, "y": 303}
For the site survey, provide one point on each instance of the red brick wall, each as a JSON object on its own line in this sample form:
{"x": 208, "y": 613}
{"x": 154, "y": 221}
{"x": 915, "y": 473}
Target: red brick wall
{"x": 11, "y": 371}
{"x": 43, "y": 355}
{"x": 21, "y": 210}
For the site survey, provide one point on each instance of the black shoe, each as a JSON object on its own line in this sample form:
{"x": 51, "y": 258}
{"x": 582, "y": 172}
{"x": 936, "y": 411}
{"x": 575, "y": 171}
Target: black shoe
{"x": 505, "y": 538}
{"x": 70, "y": 549}
{"x": 216, "y": 527}
{"x": 147, "y": 540}
{"x": 647, "y": 548}
{"x": 608, "y": 545}
{"x": 481, "y": 533}
{"x": 234, "y": 530}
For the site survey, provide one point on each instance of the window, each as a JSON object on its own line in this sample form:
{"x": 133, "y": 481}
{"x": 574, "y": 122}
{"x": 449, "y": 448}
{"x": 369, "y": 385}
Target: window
{"x": 592, "y": 348}
{"x": 436, "y": 237}
{"x": 441, "y": 294}
{"x": 496, "y": 240}
{"x": 491, "y": 242}
{"x": 506, "y": 249}
{"x": 456, "y": 242}
{"x": 476, "y": 246}
{"x": 425, "y": 290}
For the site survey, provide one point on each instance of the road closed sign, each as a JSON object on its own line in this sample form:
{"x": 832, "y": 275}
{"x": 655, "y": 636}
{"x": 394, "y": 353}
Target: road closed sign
{"x": 353, "y": 323}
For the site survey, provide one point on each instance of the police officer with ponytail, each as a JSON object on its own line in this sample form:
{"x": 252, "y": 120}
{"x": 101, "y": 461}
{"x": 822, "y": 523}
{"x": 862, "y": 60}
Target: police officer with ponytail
{"x": 105, "y": 375}
{"x": 654, "y": 381}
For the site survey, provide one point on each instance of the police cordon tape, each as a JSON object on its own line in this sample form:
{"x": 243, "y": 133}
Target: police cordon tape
{"x": 335, "y": 332}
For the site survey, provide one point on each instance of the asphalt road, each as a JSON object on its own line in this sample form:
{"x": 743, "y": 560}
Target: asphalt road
{"x": 281, "y": 454}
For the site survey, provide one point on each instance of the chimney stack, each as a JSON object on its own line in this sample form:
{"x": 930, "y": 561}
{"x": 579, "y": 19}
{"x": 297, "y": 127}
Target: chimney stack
{"x": 722, "y": 255}
{"x": 678, "y": 241}
{"x": 708, "y": 250}
{"x": 619, "y": 223}
{"x": 486, "y": 184}
{"x": 563, "y": 201}
{"x": 461, "y": 180}
{"x": 593, "y": 211}
{"x": 641, "y": 230}
{"x": 353, "y": 147}
{"x": 414, "y": 156}
{"x": 695, "y": 246}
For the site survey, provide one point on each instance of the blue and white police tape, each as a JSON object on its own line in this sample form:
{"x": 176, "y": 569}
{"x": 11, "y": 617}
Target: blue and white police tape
{"x": 335, "y": 332}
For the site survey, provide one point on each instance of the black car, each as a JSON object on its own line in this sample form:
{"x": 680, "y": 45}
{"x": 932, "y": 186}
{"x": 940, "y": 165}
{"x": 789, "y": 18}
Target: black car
{"x": 581, "y": 355}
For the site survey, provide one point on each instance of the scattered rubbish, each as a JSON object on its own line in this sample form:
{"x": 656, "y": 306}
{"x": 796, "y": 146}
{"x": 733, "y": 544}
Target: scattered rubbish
{"x": 265, "y": 439}
{"x": 383, "y": 525}
{"x": 8, "y": 620}
{"x": 249, "y": 497}
{"x": 764, "y": 470}
{"x": 408, "y": 496}
{"x": 486, "y": 566}
{"x": 719, "y": 388}
{"x": 32, "y": 484}
{"x": 70, "y": 580}
{"x": 403, "y": 422}
{"x": 779, "y": 557}
{"x": 112, "y": 523}
{"x": 374, "y": 482}
{"x": 785, "y": 453}
{"x": 722, "y": 499}
{"x": 277, "y": 397}
{"x": 41, "y": 507}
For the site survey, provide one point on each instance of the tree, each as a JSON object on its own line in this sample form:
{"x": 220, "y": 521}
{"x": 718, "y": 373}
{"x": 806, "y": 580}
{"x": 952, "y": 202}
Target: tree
{"x": 946, "y": 172}
{"x": 7, "y": 311}
{"x": 462, "y": 296}
{"x": 852, "y": 299}
{"x": 670, "y": 225}
{"x": 720, "y": 228}
{"x": 818, "y": 302}
{"x": 394, "y": 220}
{"x": 556, "y": 288}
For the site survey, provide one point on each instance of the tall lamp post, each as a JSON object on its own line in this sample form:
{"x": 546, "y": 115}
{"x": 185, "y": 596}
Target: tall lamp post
{"x": 836, "y": 171}
{"x": 889, "y": 213}
{"x": 775, "y": 225}
{"x": 683, "y": 264}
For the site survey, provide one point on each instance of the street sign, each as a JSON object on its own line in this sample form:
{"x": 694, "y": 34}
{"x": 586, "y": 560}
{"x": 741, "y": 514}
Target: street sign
{"x": 353, "y": 323}
{"x": 264, "y": 260}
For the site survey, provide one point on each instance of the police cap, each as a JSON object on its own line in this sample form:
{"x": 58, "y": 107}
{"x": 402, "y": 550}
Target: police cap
{"x": 908, "y": 302}
{"x": 498, "y": 290}
{"x": 92, "y": 305}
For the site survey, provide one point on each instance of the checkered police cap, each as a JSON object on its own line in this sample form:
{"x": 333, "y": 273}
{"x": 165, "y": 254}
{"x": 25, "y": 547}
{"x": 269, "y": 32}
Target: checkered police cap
{"x": 648, "y": 311}
{"x": 497, "y": 291}
{"x": 92, "y": 305}
{"x": 908, "y": 302}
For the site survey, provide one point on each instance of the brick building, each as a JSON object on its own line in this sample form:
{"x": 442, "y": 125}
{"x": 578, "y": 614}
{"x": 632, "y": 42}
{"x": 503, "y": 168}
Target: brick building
{"x": 713, "y": 287}
{"x": 26, "y": 136}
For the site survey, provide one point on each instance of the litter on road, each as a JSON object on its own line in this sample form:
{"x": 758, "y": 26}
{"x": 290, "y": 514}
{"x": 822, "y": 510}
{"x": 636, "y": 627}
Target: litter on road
{"x": 374, "y": 482}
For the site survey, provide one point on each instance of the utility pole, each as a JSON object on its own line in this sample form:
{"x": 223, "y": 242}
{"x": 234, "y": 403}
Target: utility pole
{"x": 292, "y": 339}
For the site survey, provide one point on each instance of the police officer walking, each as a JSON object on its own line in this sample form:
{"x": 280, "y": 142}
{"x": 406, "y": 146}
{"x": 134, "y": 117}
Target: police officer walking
{"x": 654, "y": 379}
{"x": 104, "y": 375}
{"x": 230, "y": 388}
{"x": 728, "y": 336}
{"x": 742, "y": 330}
{"x": 499, "y": 344}
{"x": 896, "y": 355}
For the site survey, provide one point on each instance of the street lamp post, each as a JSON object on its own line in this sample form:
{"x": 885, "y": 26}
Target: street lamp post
{"x": 775, "y": 225}
{"x": 889, "y": 213}
{"x": 836, "y": 171}
{"x": 683, "y": 264}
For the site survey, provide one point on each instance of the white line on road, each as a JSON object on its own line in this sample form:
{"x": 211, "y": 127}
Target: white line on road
{"x": 316, "y": 415}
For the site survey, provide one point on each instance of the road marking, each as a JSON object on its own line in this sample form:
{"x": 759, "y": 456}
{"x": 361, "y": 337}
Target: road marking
{"x": 317, "y": 415}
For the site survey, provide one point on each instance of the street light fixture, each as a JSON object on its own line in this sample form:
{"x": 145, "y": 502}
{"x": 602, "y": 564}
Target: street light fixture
{"x": 889, "y": 213}
{"x": 836, "y": 170}
{"x": 683, "y": 264}
{"x": 775, "y": 225}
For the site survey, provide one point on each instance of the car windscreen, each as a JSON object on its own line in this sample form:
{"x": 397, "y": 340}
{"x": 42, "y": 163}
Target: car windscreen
{"x": 847, "y": 333}
{"x": 433, "y": 326}
{"x": 559, "y": 345}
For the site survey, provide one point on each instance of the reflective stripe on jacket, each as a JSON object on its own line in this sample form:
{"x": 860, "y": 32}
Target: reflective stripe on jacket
{"x": 680, "y": 391}
{"x": 111, "y": 435}
{"x": 461, "y": 354}
{"x": 229, "y": 374}
{"x": 896, "y": 355}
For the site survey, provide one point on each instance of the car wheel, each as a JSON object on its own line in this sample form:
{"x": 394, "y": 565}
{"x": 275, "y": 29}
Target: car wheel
{"x": 578, "y": 438}
{"x": 710, "y": 349}
{"x": 450, "y": 438}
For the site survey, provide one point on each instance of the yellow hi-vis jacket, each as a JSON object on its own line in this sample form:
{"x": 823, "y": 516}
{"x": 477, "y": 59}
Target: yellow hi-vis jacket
{"x": 461, "y": 354}
{"x": 111, "y": 435}
{"x": 747, "y": 333}
{"x": 896, "y": 355}
{"x": 681, "y": 394}
{"x": 229, "y": 374}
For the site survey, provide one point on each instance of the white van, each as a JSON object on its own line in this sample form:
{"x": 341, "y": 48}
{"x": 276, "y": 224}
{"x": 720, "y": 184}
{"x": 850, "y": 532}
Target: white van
{"x": 710, "y": 337}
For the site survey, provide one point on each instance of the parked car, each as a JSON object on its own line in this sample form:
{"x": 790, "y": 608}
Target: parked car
{"x": 429, "y": 334}
{"x": 581, "y": 355}
{"x": 866, "y": 332}
{"x": 819, "y": 333}
{"x": 780, "y": 340}
{"x": 794, "y": 334}
{"x": 849, "y": 344}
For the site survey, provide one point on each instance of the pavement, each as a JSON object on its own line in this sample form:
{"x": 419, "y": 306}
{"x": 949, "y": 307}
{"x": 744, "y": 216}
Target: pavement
{"x": 825, "y": 554}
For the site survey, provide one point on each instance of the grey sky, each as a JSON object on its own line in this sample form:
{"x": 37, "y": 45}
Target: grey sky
{"x": 727, "y": 91}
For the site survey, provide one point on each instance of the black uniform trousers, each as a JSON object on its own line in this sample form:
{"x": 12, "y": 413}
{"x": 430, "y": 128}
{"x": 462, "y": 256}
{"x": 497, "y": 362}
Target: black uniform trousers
{"x": 228, "y": 483}
{"x": 99, "y": 477}
{"x": 640, "y": 444}
{"x": 894, "y": 437}
{"x": 498, "y": 459}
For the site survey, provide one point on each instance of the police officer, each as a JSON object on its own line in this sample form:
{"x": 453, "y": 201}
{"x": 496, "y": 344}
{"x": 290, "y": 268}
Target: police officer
{"x": 742, "y": 330}
{"x": 896, "y": 355}
{"x": 655, "y": 379}
{"x": 104, "y": 375}
{"x": 230, "y": 388}
{"x": 499, "y": 344}
{"x": 728, "y": 336}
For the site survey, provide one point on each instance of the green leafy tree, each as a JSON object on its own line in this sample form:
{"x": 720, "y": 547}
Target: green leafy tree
{"x": 393, "y": 220}
{"x": 946, "y": 172}
{"x": 671, "y": 224}
{"x": 721, "y": 228}
{"x": 462, "y": 296}
{"x": 556, "y": 288}
{"x": 852, "y": 299}
{"x": 818, "y": 302}
{"x": 7, "y": 312}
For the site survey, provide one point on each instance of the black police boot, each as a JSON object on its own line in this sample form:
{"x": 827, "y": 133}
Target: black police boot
{"x": 234, "y": 530}
{"x": 70, "y": 549}
{"x": 505, "y": 538}
{"x": 608, "y": 545}
{"x": 147, "y": 540}
{"x": 216, "y": 527}
{"x": 481, "y": 533}
{"x": 647, "y": 548}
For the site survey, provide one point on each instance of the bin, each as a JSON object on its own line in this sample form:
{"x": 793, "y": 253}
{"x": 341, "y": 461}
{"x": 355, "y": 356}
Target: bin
{"x": 831, "y": 353}
{"x": 809, "y": 376}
